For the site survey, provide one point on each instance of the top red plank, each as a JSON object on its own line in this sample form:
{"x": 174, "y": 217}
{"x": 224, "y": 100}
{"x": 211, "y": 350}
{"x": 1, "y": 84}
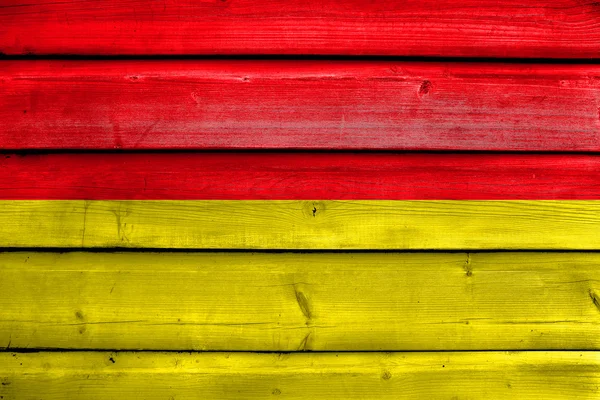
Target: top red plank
{"x": 457, "y": 28}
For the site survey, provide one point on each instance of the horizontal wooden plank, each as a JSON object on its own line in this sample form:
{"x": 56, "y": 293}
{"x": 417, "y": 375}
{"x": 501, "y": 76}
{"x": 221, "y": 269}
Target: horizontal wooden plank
{"x": 299, "y": 176}
{"x": 293, "y": 104}
{"x": 86, "y": 375}
{"x": 488, "y": 28}
{"x": 298, "y": 302}
{"x": 297, "y": 224}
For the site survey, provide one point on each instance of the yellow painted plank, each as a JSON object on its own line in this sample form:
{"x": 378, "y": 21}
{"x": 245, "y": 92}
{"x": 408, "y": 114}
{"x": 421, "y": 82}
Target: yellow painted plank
{"x": 94, "y": 375}
{"x": 302, "y": 224}
{"x": 294, "y": 301}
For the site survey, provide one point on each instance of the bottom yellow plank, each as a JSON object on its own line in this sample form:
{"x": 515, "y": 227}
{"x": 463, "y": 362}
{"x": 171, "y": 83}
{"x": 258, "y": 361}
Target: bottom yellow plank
{"x": 233, "y": 224}
{"x": 95, "y": 375}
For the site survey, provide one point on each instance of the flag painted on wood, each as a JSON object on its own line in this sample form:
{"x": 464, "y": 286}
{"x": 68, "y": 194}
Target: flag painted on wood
{"x": 302, "y": 201}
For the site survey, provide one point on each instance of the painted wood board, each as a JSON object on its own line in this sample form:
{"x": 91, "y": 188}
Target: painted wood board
{"x": 474, "y": 28}
{"x": 300, "y": 301}
{"x": 299, "y": 176}
{"x": 242, "y": 104}
{"x": 303, "y": 224}
{"x": 84, "y": 375}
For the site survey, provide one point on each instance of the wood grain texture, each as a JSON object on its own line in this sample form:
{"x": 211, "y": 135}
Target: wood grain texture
{"x": 83, "y": 375}
{"x": 293, "y": 104}
{"x": 300, "y": 302}
{"x": 281, "y": 224}
{"x": 299, "y": 176}
{"x": 474, "y": 28}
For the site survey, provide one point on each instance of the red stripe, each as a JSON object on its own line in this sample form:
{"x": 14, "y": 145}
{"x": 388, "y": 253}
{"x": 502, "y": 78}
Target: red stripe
{"x": 310, "y": 105}
{"x": 299, "y": 176}
{"x": 474, "y": 28}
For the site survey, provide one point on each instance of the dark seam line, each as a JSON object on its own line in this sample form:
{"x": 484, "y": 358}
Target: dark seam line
{"x": 61, "y": 250}
{"x": 307, "y": 57}
{"x": 58, "y": 350}
{"x": 7, "y": 152}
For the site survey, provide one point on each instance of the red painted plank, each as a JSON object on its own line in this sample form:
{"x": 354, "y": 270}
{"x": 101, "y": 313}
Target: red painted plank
{"x": 291, "y": 104}
{"x": 299, "y": 176}
{"x": 489, "y": 28}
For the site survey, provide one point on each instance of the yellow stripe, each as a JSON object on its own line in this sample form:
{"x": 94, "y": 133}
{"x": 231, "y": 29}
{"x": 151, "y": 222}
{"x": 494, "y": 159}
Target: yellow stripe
{"x": 302, "y": 224}
{"x": 288, "y": 302}
{"x": 83, "y": 375}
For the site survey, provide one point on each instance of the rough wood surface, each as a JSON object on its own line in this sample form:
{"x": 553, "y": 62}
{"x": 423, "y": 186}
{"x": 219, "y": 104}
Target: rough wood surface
{"x": 292, "y": 104}
{"x": 515, "y": 375}
{"x": 296, "y": 224}
{"x": 299, "y": 302}
{"x": 473, "y": 28}
{"x": 299, "y": 176}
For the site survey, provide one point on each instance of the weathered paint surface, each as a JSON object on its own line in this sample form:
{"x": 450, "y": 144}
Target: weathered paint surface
{"x": 286, "y": 198}
{"x": 472, "y": 28}
{"x": 299, "y": 176}
{"x": 303, "y": 224}
{"x": 175, "y": 104}
{"x": 300, "y": 301}
{"x": 139, "y": 375}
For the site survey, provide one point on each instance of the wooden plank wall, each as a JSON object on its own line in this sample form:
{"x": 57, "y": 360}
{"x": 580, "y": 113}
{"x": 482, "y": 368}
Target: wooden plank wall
{"x": 298, "y": 199}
